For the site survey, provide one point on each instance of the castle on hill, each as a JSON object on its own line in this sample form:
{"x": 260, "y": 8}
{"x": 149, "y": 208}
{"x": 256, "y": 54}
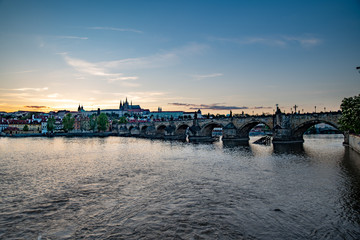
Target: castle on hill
{"x": 125, "y": 108}
{"x": 130, "y": 109}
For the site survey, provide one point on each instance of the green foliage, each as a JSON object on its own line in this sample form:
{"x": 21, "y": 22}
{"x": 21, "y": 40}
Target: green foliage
{"x": 123, "y": 120}
{"x": 102, "y": 122}
{"x": 27, "y": 116}
{"x": 93, "y": 124}
{"x": 68, "y": 122}
{"x": 51, "y": 124}
{"x": 350, "y": 119}
{"x": 26, "y": 128}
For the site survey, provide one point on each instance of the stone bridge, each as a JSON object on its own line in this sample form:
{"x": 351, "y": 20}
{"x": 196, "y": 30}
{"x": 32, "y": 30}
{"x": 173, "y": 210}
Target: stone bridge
{"x": 285, "y": 127}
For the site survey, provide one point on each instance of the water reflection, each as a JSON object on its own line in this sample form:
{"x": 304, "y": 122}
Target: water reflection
{"x": 289, "y": 148}
{"x": 350, "y": 166}
{"x": 232, "y": 144}
{"x": 113, "y": 188}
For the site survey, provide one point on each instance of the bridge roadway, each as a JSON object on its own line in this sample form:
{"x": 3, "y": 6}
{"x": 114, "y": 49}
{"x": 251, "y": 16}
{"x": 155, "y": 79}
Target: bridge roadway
{"x": 286, "y": 128}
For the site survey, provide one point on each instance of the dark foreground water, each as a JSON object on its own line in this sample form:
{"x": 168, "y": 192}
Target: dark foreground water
{"x": 127, "y": 188}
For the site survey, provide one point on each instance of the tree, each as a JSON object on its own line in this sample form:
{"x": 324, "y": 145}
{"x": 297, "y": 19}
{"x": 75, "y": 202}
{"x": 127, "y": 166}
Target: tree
{"x": 51, "y": 124}
{"x": 68, "y": 122}
{"x": 26, "y": 116}
{"x": 93, "y": 124}
{"x": 350, "y": 119}
{"x": 26, "y": 128}
{"x": 102, "y": 122}
{"x": 123, "y": 120}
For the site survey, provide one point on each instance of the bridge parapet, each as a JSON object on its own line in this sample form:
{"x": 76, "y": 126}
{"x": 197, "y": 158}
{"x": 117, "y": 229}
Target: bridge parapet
{"x": 285, "y": 127}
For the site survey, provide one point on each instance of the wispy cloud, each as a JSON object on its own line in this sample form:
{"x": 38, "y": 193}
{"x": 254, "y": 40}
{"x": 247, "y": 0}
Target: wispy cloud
{"x": 19, "y": 72}
{"x": 215, "y": 106}
{"x": 116, "y": 29}
{"x": 112, "y": 71}
{"x": 54, "y": 95}
{"x": 95, "y": 69}
{"x": 279, "y": 41}
{"x": 158, "y": 60}
{"x": 304, "y": 41}
{"x": 122, "y": 79}
{"x": 36, "y": 107}
{"x": 72, "y": 37}
{"x": 31, "y": 89}
{"x": 25, "y": 89}
{"x": 212, "y": 75}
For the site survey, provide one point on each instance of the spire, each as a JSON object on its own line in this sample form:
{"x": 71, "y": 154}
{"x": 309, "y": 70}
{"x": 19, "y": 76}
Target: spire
{"x": 120, "y": 105}
{"x": 126, "y": 101}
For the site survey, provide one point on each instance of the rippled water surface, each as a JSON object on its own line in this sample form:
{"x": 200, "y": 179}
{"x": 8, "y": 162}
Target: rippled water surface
{"x": 127, "y": 188}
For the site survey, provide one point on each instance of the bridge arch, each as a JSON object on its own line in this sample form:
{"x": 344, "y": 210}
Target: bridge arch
{"x": 181, "y": 129}
{"x": 160, "y": 130}
{"x": 245, "y": 129}
{"x": 143, "y": 130}
{"x": 134, "y": 130}
{"x": 299, "y": 130}
{"x": 207, "y": 129}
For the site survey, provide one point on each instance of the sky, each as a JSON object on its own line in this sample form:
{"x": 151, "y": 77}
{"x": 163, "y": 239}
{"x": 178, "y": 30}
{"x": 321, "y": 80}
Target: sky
{"x": 211, "y": 55}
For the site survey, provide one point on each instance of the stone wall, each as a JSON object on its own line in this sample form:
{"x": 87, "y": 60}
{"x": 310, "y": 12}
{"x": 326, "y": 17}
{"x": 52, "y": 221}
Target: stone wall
{"x": 354, "y": 142}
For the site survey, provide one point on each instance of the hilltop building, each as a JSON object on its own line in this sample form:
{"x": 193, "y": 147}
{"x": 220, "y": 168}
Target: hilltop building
{"x": 129, "y": 109}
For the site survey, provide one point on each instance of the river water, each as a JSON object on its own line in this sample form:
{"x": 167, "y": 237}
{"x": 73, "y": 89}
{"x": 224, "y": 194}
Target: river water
{"x": 128, "y": 188}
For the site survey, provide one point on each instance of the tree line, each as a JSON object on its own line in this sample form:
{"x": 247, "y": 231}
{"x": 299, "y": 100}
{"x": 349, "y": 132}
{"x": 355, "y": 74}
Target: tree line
{"x": 99, "y": 122}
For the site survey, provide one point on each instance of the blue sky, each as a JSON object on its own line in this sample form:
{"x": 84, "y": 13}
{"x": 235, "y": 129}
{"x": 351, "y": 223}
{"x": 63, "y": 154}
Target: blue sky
{"x": 180, "y": 55}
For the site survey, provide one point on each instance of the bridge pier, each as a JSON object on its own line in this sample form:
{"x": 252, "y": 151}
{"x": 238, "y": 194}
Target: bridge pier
{"x": 286, "y": 136}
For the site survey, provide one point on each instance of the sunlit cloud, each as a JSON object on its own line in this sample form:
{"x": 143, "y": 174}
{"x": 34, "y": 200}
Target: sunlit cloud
{"x": 113, "y": 70}
{"x": 36, "y": 107}
{"x": 122, "y": 79}
{"x": 25, "y": 89}
{"x": 94, "y": 69}
{"x": 116, "y": 29}
{"x": 215, "y": 106}
{"x": 58, "y": 100}
{"x": 54, "y": 95}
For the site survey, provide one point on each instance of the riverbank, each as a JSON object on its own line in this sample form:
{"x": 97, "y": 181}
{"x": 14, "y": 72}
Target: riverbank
{"x": 78, "y": 134}
{"x": 354, "y": 142}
